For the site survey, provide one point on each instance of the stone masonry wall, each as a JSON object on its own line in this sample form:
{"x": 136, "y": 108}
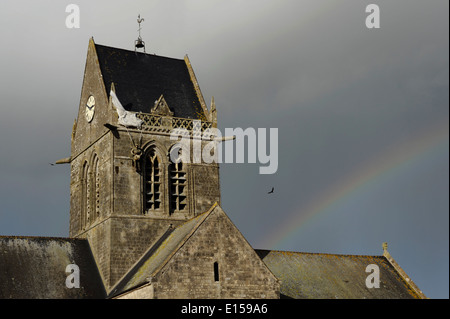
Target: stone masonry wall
{"x": 190, "y": 272}
{"x": 101, "y": 150}
{"x": 130, "y": 239}
{"x": 206, "y": 186}
{"x": 132, "y": 230}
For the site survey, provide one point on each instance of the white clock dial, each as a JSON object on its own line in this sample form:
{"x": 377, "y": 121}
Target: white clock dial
{"x": 90, "y": 108}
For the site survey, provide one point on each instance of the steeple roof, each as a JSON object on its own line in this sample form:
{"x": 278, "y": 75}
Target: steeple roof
{"x": 140, "y": 79}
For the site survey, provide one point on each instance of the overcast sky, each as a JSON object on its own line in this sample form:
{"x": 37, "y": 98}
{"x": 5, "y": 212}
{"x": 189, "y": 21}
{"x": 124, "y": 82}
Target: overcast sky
{"x": 362, "y": 116}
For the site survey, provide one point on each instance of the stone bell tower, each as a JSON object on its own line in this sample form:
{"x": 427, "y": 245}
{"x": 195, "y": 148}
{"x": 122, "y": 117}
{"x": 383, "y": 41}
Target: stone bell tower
{"x": 126, "y": 189}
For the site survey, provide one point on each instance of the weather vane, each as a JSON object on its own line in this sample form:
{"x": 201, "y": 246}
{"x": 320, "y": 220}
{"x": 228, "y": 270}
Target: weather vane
{"x": 139, "y": 43}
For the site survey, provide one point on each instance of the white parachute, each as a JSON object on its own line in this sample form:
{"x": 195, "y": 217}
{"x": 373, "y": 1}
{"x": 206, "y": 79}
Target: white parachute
{"x": 126, "y": 118}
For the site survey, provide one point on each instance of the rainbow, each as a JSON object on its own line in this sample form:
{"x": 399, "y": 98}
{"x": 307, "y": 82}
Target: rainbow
{"x": 394, "y": 157}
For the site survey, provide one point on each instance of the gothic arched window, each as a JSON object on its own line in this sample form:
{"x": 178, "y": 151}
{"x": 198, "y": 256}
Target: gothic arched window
{"x": 85, "y": 196}
{"x": 96, "y": 188}
{"x": 152, "y": 181}
{"x": 177, "y": 181}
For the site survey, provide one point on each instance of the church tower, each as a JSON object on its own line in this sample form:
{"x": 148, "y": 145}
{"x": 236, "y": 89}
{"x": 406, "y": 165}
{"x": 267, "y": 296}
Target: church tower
{"x": 130, "y": 183}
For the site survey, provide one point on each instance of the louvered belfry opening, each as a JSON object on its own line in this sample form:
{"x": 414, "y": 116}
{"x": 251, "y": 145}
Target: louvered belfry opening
{"x": 177, "y": 182}
{"x": 152, "y": 185}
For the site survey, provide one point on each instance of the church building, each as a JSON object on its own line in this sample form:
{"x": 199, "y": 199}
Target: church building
{"x": 146, "y": 218}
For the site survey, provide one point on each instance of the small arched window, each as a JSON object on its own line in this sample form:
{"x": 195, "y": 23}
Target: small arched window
{"x": 152, "y": 181}
{"x": 177, "y": 181}
{"x": 216, "y": 271}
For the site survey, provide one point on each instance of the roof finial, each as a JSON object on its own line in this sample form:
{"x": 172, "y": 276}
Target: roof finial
{"x": 385, "y": 246}
{"x": 139, "y": 43}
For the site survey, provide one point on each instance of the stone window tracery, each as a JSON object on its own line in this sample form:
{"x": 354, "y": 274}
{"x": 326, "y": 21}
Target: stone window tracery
{"x": 85, "y": 196}
{"x": 152, "y": 181}
{"x": 177, "y": 181}
{"x": 96, "y": 188}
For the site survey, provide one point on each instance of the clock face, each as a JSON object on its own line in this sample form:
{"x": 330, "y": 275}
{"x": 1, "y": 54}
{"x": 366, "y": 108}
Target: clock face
{"x": 90, "y": 108}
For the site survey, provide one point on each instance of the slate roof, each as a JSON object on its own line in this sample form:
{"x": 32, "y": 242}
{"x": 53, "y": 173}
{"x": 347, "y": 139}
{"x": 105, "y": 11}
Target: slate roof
{"x": 330, "y": 276}
{"x": 140, "y": 79}
{"x": 35, "y": 267}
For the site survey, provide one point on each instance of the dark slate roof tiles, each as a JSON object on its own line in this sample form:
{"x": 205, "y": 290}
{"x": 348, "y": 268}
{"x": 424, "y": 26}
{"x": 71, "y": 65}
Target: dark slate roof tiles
{"x": 330, "y": 276}
{"x": 140, "y": 79}
{"x": 35, "y": 267}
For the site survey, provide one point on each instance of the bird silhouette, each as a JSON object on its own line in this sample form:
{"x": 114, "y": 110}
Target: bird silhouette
{"x": 271, "y": 191}
{"x": 52, "y": 164}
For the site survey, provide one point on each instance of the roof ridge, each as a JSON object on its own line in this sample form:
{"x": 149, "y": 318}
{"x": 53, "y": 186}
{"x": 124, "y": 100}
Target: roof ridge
{"x": 311, "y": 253}
{"x": 403, "y": 274}
{"x": 41, "y": 237}
{"x": 144, "y": 53}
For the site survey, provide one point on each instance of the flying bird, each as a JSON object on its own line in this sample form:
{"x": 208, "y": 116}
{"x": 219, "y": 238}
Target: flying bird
{"x": 52, "y": 164}
{"x": 270, "y": 191}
